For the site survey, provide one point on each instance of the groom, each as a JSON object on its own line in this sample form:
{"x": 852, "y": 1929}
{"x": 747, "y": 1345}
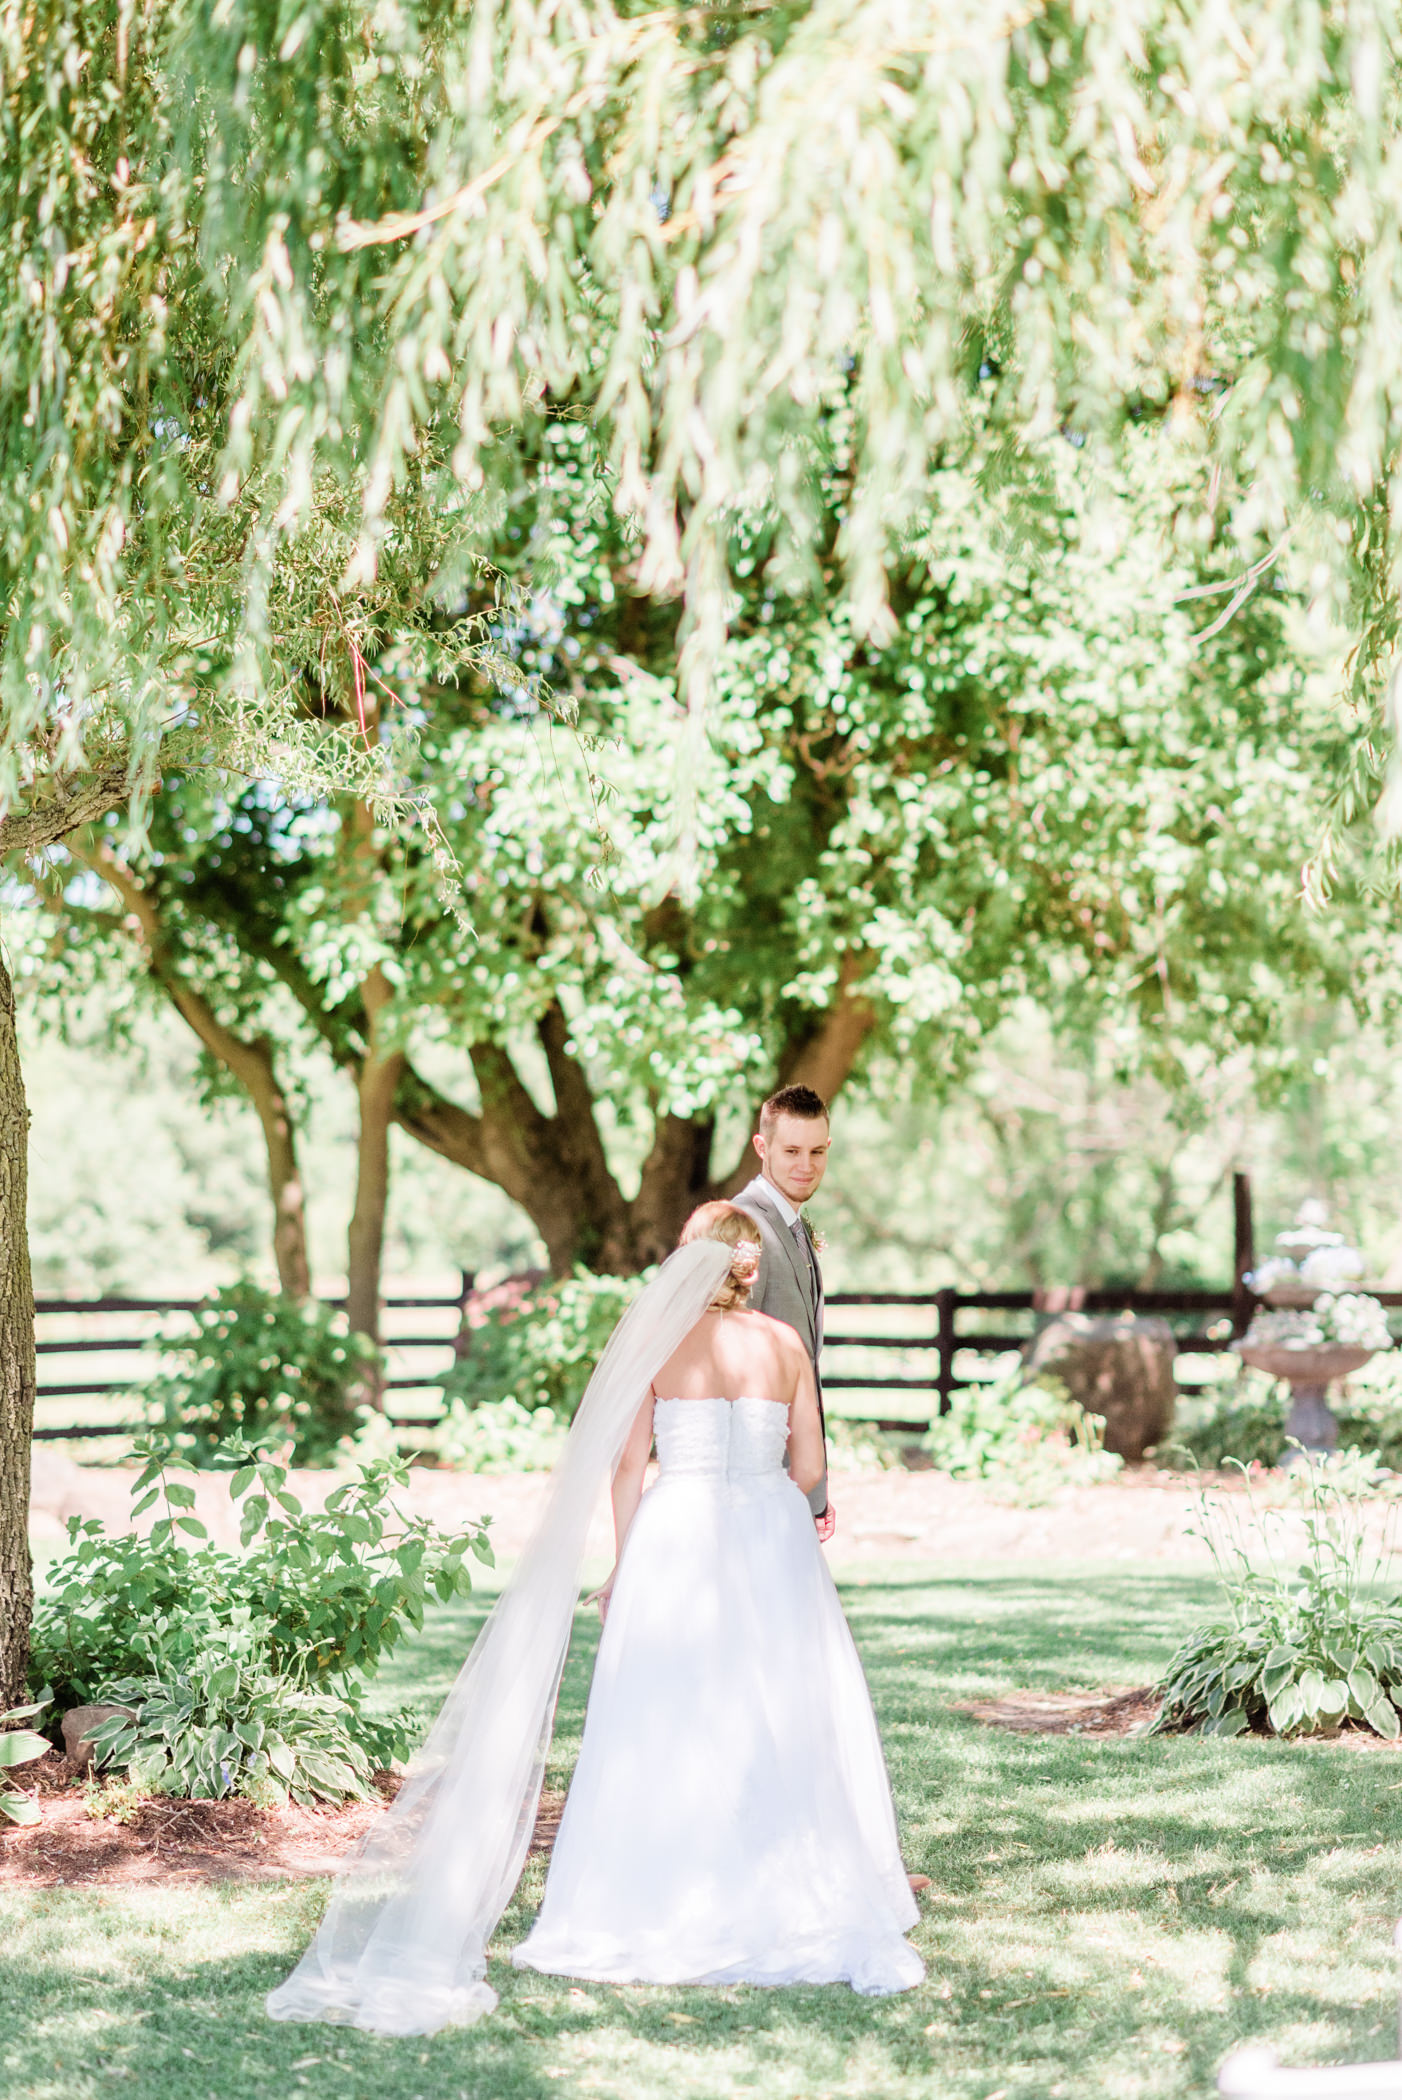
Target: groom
{"x": 792, "y": 1142}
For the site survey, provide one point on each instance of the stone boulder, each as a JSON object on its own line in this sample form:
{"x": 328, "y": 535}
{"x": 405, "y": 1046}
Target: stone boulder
{"x": 1120, "y": 1367}
{"x": 79, "y": 1722}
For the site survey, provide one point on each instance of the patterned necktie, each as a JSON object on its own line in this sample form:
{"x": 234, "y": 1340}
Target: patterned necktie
{"x": 800, "y": 1233}
{"x": 805, "y": 1249}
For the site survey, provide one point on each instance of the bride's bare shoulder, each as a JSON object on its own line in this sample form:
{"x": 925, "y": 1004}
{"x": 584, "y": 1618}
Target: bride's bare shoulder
{"x": 778, "y": 1331}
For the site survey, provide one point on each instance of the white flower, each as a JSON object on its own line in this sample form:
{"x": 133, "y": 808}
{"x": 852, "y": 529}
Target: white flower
{"x": 1350, "y": 1321}
{"x": 1276, "y": 1270}
{"x": 1353, "y": 1319}
{"x": 1327, "y": 1267}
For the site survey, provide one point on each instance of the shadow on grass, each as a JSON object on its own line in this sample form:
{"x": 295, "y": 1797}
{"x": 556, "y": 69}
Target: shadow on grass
{"x": 1107, "y": 1916}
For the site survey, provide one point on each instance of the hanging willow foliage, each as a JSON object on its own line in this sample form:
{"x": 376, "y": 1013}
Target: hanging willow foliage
{"x": 287, "y": 280}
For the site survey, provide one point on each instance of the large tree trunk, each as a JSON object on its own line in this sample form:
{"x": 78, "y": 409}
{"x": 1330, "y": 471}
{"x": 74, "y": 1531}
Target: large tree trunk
{"x": 676, "y": 1177}
{"x": 555, "y": 1167}
{"x": 64, "y": 805}
{"x": 16, "y": 1362}
{"x": 380, "y": 1075}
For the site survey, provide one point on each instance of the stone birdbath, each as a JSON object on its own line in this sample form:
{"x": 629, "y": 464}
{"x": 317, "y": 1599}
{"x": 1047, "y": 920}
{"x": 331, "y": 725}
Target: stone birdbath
{"x": 1317, "y": 1330}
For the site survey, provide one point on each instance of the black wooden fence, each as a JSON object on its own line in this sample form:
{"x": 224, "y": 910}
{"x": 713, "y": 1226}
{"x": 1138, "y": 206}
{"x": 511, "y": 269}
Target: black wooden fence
{"x": 891, "y": 1358}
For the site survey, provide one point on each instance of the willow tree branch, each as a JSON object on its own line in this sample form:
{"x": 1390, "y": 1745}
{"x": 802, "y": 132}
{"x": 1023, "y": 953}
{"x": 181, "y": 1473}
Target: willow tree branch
{"x": 71, "y": 804}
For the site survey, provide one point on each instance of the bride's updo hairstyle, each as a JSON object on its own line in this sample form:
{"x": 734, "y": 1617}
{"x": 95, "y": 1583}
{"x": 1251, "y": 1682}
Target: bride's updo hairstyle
{"x": 733, "y": 1228}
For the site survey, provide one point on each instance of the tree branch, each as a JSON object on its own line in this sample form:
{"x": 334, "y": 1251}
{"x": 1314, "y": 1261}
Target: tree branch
{"x": 575, "y": 1128}
{"x": 249, "y": 1060}
{"x": 71, "y": 804}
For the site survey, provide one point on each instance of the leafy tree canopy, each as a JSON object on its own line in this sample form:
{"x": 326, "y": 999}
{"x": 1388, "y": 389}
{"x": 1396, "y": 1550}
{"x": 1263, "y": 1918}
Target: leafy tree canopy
{"x": 286, "y": 283}
{"x": 1041, "y": 787}
{"x": 153, "y": 609}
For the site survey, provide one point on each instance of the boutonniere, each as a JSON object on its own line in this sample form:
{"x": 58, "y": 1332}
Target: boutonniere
{"x": 819, "y": 1240}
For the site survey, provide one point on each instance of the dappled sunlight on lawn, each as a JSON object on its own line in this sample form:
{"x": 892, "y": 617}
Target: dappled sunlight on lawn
{"x": 1107, "y": 1917}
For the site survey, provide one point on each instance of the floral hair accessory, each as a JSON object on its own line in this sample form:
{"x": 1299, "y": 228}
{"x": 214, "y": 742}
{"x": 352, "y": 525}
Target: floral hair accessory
{"x": 744, "y": 1263}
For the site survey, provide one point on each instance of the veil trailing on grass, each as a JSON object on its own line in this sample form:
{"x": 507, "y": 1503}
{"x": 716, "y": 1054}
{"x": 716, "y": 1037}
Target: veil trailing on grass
{"x": 403, "y": 1946}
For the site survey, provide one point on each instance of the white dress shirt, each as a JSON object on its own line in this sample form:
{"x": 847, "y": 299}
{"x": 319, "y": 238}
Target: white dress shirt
{"x": 781, "y": 1203}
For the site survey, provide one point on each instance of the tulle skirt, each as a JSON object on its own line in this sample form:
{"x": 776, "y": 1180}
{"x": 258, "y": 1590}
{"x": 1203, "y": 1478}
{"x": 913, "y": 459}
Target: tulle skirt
{"x": 730, "y": 1817}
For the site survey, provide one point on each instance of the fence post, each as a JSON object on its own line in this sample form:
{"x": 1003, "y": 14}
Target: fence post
{"x": 1243, "y": 1252}
{"x": 945, "y": 1302}
{"x": 462, "y": 1339}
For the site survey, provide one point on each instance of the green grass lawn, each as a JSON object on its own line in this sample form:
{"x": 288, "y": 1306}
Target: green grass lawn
{"x": 1106, "y": 1917}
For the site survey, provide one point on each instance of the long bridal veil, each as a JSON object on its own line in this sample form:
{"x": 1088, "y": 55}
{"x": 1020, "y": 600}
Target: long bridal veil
{"x": 403, "y": 1946}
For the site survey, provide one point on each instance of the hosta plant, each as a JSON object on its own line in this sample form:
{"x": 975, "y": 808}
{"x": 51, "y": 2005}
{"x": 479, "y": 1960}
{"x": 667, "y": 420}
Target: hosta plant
{"x": 1309, "y": 1641}
{"x": 19, "y": 1746}
{"x": 235, "y": 1728}
{"x": 246, "y": 1671}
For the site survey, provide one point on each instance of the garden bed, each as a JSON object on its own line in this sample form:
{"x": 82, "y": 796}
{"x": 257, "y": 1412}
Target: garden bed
{"x": 162, "y": 1840}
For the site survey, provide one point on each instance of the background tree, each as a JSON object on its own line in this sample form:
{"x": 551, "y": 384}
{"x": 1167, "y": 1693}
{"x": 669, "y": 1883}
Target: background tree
{"x": 151, "y": 611}
{"x": 291, "y": 306}
{"x": 1041, "y": 791}
{"x": 701, "y": 231}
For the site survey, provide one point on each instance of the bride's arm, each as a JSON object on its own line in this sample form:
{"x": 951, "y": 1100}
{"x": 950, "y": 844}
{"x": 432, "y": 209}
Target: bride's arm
{"x": 807, "y": 1458}
{"x": 628, "y": 1491}
{"x": 628, "y": 1480}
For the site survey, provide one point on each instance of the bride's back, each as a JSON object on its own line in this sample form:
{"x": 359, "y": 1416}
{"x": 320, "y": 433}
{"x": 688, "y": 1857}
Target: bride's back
{"x": 732, "y": 1356}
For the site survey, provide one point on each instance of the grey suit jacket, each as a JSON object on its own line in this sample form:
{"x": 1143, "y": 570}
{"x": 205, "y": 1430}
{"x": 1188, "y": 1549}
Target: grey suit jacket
{"x": 784, "y": 1289}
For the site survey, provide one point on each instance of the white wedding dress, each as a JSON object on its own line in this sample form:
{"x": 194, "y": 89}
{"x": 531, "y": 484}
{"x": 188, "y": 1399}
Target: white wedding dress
{"x": 730, "y": 1818}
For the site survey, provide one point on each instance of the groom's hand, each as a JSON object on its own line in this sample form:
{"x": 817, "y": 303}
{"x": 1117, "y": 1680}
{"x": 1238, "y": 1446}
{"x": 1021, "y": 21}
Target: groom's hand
{"x": 827, "y": 1524}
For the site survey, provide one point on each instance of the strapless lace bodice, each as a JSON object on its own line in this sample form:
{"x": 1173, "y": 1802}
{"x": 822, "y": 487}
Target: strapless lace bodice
{"x": 724, "y": 1438}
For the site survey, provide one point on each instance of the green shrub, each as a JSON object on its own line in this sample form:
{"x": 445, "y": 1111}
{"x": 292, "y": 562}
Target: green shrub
{"x": 860, "y": 1447}
{"x": 1306, "y": 1645}
{"x": 1243, "y": 1417}
{"x": 248, "y": 1671}
{"x": 1241, "y": 1420}
{"x": 1026, "y": 1438}
{"x": 265, "y": 1368}
{"x": 541, "y": 1350}
{"x": 500, "y": 1436}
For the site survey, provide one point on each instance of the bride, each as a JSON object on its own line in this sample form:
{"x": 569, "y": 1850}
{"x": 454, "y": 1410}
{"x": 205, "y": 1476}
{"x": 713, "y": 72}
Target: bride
{"x": 730, "y": 1819}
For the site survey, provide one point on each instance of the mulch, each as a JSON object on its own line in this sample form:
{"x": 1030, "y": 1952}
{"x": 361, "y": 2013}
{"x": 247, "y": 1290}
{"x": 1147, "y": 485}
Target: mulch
{"x": 161, "y": 1841}
{"x": 1125, "y": 1711}
{"x": 1131, "y": 1710}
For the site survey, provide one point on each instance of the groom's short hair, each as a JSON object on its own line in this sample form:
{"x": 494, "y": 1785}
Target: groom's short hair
{"x": 792, "y": 1101}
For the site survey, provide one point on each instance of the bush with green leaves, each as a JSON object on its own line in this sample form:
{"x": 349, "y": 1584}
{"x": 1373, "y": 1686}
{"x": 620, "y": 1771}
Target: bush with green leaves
{"x": 246, "y": 1672}
{"x": 1242, "y": 1417}
{"x": 500, "y": 1436}
{"x": 860, "y": 1447}
{"x": 1025, "y": 1437}
{"x": 261, "y": 1366}
{"x": 541, "y": 1351}
{"x": 1308, "y": 1643}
